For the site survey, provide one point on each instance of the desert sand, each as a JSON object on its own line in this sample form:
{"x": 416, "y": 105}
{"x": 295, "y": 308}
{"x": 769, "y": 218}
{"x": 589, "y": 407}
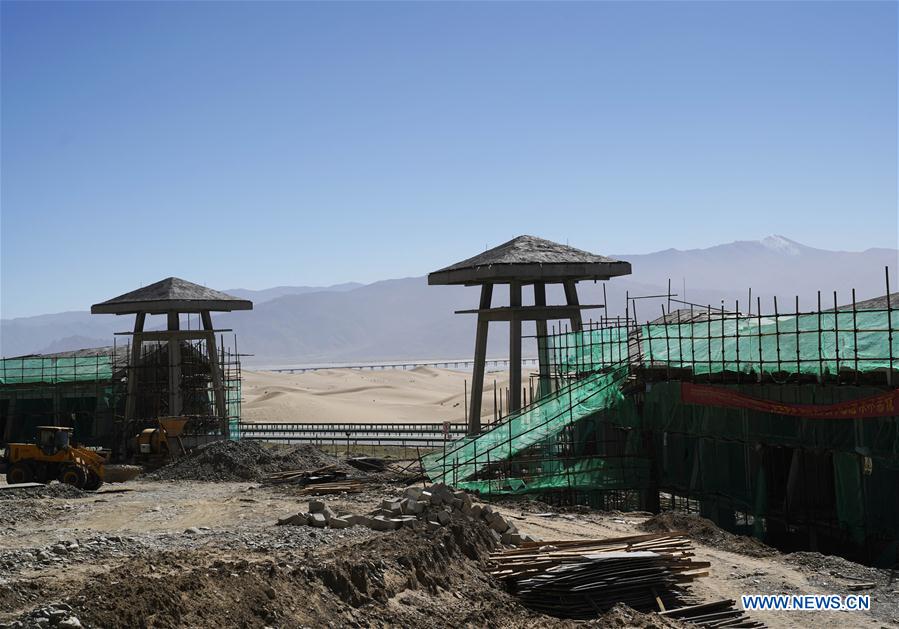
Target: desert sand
{"x": 425, "y": 394}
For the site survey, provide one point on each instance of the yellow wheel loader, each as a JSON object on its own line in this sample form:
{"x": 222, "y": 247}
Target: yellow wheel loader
{"x": 53, "y": 456}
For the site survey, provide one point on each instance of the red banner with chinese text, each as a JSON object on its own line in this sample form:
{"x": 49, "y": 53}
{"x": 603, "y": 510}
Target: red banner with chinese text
{"x": 884, "y": 405}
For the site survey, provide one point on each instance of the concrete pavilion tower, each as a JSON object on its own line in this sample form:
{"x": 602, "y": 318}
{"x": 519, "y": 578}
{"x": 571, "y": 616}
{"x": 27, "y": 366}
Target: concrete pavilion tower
{"x": 173, "y": 297}
{"x": 523, "y": 261}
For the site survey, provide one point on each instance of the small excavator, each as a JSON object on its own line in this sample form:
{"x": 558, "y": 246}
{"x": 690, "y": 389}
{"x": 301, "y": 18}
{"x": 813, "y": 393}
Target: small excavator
{"x": 52, "y": 456}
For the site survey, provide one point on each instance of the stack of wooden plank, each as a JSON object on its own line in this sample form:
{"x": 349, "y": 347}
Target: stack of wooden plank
{"x": 715, "y": 614}
{"x": 532, "y": 558}
{"x": 326, "y": 474}
{"x": 336, "y": 487}
{"x": 585, "y": 586}
{"x": 582, "y": 578}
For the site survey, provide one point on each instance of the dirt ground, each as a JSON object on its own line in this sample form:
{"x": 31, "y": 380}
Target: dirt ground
{"x": 188, "y": 553}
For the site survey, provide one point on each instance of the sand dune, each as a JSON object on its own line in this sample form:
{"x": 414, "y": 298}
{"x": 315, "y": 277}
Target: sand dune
{"x": 424, "y": 394}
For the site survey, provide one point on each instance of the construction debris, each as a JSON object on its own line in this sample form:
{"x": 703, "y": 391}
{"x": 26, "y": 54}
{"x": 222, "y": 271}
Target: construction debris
{"x": 368, "y": 463}
{"x": 431, "y": 508}
{"x": 715, "y": 614}
{"x": 326, "y": 474}
{"x": 336, "y": 487}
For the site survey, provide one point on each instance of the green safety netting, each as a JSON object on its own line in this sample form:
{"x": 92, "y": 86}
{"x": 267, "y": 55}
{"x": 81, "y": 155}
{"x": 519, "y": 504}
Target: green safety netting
{"x": 810, "y": 344}
{"x": 525, "y": 429}
{"x": 575, "y": 352}
{"x": 52, "y": 370}
{"x": 589, "y": 473}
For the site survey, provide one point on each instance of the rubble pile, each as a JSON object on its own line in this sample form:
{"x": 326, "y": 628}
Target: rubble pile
{"x": 420, "y": 508}
{"x": 50, "y": 490}
{"x": 242, "y": 461}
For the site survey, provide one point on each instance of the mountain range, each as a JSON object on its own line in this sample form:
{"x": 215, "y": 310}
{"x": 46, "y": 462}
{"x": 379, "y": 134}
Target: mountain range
{"x": 407, "y": 319}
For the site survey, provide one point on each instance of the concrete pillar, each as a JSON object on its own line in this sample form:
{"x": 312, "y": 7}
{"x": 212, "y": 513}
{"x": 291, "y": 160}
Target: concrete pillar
{"x": 480, "y": 357}
{"x": 572, "y": 300}
{"x": 174, "y": 347}
{"x": 545, "y": 386}
{"x": 514, "y": 347}
{"x": 218, "y": 388}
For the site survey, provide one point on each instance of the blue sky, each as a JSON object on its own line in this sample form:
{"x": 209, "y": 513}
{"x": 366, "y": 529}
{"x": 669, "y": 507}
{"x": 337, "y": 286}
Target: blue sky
{"x": 258, "y": 144}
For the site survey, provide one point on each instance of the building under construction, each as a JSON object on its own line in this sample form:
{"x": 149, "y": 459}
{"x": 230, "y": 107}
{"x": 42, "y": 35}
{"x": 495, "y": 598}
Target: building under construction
{"x": 781, "y": 426}
{"x": 109, "y": 394}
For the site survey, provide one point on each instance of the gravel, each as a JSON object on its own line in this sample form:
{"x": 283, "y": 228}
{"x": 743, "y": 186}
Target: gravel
{"x": 53, "y": 490}
{"x": 242, "y": 461}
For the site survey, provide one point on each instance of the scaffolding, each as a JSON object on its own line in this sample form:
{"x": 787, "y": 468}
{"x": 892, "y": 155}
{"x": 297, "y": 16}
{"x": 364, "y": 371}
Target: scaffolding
{"x": 795, "y": 433}
{"x": 87, "y": 390}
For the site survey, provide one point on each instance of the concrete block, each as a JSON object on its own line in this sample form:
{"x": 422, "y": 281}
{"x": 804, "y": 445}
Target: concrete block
{"x": 443, "y": 517}
{"x": 317, "y": 520}
{"x": 476, "y": 511}
{"x": 327, "y": 513}
{"x": 381, "y": 523}
{"x": 486, "y": 511}
{"x": 392, "y": 506}
{"x": 416, "y": 506}
{"x": 316, "y": 506}
{"x": 456, "y": 503}
{"x": 496, "y": 536}
{"x": 413, "y": 493}
{"x": 338, "y": 523}
{"x": 498, "y": 524}
{"x": 297, "y": 519}
{"x": 355, "y": 520}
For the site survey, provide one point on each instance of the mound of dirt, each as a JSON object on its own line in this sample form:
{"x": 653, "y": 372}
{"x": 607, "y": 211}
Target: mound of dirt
{"x": 405, "y": 578}
{"x": 53, "y": 490}
{"x": 623, "y": 617}
{"x": 242, "y": 461}
{"x": 707, "y": 532}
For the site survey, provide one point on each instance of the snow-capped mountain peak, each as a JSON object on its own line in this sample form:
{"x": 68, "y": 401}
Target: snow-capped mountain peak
{"x": 781, "y": 245}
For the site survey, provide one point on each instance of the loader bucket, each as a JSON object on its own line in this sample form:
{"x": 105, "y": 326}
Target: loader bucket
{"x": 120, "y": 473}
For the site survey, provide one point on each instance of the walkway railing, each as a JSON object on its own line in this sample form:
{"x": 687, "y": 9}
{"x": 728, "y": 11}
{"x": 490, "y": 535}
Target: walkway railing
{"x": 425, "y": 436}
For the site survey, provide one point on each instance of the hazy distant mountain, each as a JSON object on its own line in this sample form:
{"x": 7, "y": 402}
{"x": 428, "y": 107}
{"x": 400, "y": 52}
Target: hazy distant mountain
{"x": 773, "y": 266}
{"x": 65, "y": 331}
{"x": 267, "y": 294}
{"x": 406, "y": 318}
